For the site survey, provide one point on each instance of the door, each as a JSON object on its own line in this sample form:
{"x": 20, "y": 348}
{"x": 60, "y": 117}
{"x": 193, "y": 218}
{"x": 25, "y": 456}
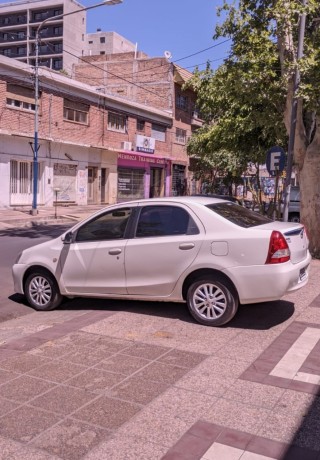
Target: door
{"x": 156, "y": 182}
{"x": 103, "y": 184}
{"x": 21, "y": 183}
{"x": 94, "y": 263}
{"x": 92, "y": 184}
{"x": 167, "y": 241}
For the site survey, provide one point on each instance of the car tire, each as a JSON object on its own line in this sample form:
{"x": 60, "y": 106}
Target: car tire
{"x": 294, "y": 218}
{"x": 212, "y": 301}
{"x": 41, "y": 291}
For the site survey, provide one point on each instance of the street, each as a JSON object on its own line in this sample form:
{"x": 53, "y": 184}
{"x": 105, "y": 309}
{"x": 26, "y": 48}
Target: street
{"x": 12, "y": 242}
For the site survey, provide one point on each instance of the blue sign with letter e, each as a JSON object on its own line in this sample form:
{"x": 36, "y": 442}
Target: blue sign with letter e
{"x": 276, "y": 160}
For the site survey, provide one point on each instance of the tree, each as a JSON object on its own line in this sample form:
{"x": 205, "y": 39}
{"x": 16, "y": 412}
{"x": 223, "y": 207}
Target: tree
{"x": 247, "y": 102}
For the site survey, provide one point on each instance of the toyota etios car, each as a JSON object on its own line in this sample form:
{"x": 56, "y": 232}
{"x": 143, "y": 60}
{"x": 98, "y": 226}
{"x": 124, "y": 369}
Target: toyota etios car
{"x": 209, "y": 252}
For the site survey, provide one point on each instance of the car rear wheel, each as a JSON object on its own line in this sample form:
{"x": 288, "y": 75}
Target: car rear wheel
{"x": 212, "y": 302}
{"x": 41, "y": 291}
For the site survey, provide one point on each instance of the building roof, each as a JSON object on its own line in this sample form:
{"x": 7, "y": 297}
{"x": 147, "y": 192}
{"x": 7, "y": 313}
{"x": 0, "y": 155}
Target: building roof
{"x": 83, "y": 90}
{"x": 181, "y": 75}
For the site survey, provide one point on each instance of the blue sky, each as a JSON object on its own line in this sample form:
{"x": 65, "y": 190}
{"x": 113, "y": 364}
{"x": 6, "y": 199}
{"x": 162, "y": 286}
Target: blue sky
{"x": 182, "y": 27}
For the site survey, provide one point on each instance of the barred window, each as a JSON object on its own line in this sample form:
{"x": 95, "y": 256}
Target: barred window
{"x": 181, "y": 135}
{"x": 117, "y": 122}
{"x": 182, "y": 102}
{"x": 75, "y": 111}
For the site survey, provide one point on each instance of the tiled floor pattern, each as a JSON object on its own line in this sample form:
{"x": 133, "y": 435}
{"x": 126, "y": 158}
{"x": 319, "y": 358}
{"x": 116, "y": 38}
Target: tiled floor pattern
{"x": 208, "y": 441}
{"x": 291, "y": 361}
{"x": 68, "y": 394}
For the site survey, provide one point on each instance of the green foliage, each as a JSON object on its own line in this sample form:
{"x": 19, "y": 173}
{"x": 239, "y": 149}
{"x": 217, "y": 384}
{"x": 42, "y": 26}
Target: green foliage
{"x": 244, "y": 100}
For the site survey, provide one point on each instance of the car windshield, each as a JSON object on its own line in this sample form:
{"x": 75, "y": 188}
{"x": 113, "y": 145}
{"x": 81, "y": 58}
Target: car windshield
{"x": 238, "y": 214}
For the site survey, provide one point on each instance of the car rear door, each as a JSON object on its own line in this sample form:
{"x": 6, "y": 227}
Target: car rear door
{"x": 167, "y": 240}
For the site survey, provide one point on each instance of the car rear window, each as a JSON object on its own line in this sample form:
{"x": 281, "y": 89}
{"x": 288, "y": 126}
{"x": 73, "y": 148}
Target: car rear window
{"x": 239, "y": 215}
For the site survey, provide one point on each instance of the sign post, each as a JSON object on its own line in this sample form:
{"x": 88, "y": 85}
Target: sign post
{"x": 275, "y": 162}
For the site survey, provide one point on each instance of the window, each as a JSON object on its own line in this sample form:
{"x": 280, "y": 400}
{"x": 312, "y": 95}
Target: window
{"x": 57, "y": 47}
{"x": 109, "y": 226}
{"x": 165, "y": 221}
{"x": 102, "y": 39}
{"x": 90, "y": 42}
{"x": 182, "y": 102}
{"x": 6, "y": 52}
{"x": 21, "y": 35}
{"x": 102, "y": 52}
{"x": 37, "y": 16}
{"x": 22, "y": 50}
{"x": 57, "y": 12}
{"x": 117, "y": 122}
{"x": 140, "y": 125}
{"x": 239, "y": 215}
{"x": 57, "y": 64}
{"x": 75, "y": 111}
{"x": 21, "y": 104}
{"x": 6, "y": 21}
{"x": 57, "y": 30}
{"x": 181, "y": 135}
{"x": 5, "y": 36}
{"x": 158, "y": 132}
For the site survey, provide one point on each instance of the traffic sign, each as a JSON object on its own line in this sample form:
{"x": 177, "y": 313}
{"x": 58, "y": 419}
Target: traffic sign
{"x": 276, "y": 160}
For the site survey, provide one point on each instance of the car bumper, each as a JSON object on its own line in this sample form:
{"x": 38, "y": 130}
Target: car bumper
{"x": 18, "y": 271}
{"x": 263, "y": 283}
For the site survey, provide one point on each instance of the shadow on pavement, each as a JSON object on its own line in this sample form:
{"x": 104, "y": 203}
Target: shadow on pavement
{"x": 37, "y": 230}
{"x": 256, "y": 316}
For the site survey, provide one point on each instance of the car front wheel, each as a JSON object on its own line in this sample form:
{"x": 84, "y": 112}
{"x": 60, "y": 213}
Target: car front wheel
{"x": 211, "y": 302}
{"x": 41, "y": 291}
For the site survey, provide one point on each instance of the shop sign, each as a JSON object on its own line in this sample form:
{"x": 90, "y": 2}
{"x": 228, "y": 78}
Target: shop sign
{"x": 145, "y": 144}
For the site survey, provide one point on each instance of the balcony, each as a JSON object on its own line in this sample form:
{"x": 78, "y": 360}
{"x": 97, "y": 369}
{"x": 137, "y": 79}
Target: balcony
{"x": 196, "y": 119}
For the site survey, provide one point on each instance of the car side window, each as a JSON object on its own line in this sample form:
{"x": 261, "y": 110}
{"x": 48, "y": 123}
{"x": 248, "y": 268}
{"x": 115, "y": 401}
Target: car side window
{"x": 109, "y": 226}
{"x": 165, "y": 221}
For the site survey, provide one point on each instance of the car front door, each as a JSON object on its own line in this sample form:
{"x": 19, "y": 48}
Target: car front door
{"x": 166, "y": 242}
{"x": 94, "y": 262}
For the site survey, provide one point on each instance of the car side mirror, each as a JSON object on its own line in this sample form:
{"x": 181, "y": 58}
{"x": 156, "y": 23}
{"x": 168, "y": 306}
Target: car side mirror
{"x": 67, "y": 238}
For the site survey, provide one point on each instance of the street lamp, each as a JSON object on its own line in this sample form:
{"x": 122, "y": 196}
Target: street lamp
{"x": 36, "y": 93}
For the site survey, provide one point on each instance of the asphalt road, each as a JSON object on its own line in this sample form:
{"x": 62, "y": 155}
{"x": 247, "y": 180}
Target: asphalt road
{"x": 12, "y": 242}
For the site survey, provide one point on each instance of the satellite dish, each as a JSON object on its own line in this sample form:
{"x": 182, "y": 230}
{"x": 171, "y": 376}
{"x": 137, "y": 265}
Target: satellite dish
{"x": 167, "y": 55}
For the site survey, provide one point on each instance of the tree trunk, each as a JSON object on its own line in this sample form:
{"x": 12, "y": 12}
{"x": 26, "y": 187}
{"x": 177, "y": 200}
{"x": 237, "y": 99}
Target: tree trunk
{"x": 309, "y": 178}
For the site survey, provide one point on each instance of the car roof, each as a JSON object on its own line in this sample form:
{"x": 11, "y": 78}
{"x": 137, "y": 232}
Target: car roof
{"x": 178, "y": 199}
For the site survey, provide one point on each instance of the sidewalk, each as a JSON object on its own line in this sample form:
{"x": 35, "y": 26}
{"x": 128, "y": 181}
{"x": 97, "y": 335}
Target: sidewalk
{"x": 21, "y": 216}
{"x": 116, "y": 380}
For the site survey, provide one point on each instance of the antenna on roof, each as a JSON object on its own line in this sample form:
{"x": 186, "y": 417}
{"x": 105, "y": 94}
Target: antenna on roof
{"x": 167, "y": 54}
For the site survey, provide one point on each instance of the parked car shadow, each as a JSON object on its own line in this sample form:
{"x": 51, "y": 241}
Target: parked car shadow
{"x": 262, "y": 316}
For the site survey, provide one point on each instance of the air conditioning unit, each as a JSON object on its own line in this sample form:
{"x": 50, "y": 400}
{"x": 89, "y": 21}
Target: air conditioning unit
{"x": 126, "y": 145}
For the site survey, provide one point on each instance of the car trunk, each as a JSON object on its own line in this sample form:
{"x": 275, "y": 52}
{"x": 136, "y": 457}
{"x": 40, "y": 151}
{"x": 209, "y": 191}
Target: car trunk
{"x": 295, "y": 236}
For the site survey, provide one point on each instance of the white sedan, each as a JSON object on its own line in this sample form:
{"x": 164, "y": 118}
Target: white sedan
{"x": 209, "y": 252}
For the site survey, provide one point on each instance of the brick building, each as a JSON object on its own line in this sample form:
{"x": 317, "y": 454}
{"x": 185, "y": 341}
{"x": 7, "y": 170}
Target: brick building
{"x": 153, "y": 82}
{"x": 94, "y": 147}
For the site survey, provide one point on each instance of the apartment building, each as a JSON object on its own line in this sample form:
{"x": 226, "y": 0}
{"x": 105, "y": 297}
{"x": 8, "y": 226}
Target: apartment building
{"x": 62, "y": 40}
{"x": 100, "y": 42}
{"x": 85, "y": 136}
{"x": 152, "y": 82}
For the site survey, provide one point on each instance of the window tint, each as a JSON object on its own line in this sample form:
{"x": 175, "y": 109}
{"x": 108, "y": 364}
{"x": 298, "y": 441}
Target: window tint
{"x": 239, "y": 215}
{"x": 165, "y": 221}
{"x": 109, "y": 226}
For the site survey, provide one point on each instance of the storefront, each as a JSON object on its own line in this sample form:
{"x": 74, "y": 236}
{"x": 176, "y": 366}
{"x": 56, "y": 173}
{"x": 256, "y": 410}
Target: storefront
{"x": 142, "y": 176}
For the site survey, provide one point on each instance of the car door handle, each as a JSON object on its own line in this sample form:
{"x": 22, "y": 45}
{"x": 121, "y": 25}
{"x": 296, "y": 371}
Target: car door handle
{"x": 115, "y": 252}
{"x": 186, "y": 246}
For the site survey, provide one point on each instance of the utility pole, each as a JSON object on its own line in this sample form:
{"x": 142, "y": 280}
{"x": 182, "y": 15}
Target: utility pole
{"x": 294, "y": 110}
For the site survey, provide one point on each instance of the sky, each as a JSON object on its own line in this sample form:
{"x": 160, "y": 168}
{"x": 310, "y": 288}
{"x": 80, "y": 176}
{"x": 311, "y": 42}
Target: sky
{"x": 183, "y": 27}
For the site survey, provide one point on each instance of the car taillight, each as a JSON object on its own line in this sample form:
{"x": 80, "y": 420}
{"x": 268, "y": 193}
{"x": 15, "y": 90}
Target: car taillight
{"x": 279, "y": 251}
